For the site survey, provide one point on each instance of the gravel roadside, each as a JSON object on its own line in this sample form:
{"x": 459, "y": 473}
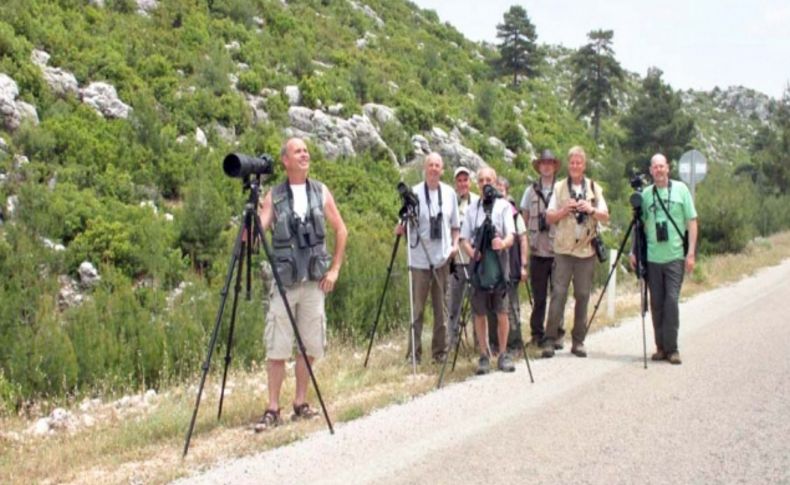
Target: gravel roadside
{"x": 721, "y": 417}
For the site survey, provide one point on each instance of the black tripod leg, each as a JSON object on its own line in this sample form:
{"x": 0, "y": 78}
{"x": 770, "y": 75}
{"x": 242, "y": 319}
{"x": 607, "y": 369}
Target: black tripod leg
{"x": 218, "y": 321}
{"x": 462, "y": 318}
{"x": 381, "y": 299}
{"x": 299, "y": 342}
{"x": 229, "y": 347}
{"x": 643, "y": 310}
{"x": 611, "y": 272}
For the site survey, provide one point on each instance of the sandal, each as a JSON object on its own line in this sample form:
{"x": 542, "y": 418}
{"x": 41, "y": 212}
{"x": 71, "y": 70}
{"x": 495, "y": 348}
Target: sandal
{"x": 270, "y": 419}
{"x": 303, "y": 411}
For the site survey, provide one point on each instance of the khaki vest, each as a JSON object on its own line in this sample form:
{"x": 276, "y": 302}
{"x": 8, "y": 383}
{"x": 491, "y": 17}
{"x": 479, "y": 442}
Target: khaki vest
{"x": 569, "y": 239}
{"x": 540, "y": 243}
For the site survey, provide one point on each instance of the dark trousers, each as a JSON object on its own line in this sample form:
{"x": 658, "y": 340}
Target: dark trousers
{"x": 539, "y": 279}
{"x": 514, "y": 340}
{"x": 664, "y": 281}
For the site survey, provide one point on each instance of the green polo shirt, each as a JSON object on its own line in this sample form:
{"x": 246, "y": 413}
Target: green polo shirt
{"x": 677, "y": 199}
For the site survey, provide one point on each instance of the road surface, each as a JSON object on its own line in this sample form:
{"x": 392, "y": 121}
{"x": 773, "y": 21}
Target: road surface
{"x": 723, "y": 416}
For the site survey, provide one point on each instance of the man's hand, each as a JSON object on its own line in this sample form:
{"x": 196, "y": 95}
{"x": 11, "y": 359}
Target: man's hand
{"x": 497, "y": 244}
{"x": 327, "y": 283}
{"x": 524, "y": 275}
{"x": 690, "y": 261}
{"x": 632, "y": 260}
{"x": 400, "y": 230}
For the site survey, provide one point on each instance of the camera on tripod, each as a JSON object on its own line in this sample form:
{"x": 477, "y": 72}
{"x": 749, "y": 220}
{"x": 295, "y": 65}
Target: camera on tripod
{"x": 239, "y": 165}
{"x": 410, "y": 201}
{"x": 490, "y": 193}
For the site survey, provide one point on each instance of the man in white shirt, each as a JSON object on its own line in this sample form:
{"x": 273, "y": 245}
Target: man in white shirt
{"x": 433, "y": 239}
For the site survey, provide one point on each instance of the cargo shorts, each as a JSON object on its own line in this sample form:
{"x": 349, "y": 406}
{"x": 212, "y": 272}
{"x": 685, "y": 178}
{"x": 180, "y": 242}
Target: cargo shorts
{"x": 307, "y": 306}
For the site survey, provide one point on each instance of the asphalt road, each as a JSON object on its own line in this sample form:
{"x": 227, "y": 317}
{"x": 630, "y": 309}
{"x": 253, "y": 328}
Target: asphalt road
{"x": 723, "y": 416}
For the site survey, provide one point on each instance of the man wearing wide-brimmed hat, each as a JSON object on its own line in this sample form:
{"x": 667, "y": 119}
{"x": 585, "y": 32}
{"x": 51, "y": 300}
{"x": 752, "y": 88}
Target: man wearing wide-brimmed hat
{"x": 541, "y": 240}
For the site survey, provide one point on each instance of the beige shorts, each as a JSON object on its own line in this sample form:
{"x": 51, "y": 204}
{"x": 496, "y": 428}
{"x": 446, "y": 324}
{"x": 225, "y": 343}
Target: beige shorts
{"x": 306, "y": 301}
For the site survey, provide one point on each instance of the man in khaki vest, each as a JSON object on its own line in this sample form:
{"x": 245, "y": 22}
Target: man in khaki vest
{"x": 576, "y": 207}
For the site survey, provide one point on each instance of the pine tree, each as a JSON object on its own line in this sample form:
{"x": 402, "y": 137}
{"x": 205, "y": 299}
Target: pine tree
{"x": 518, "y": 50}
{"x": 655, "y": 123}
{"x": 597, "y": 78}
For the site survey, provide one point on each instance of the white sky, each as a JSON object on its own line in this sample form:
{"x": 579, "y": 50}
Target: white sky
{"x": 698, "y": 44}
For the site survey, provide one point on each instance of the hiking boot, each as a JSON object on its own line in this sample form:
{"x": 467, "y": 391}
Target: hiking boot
{"x": 505, "y": 363}
{"x": 548, "y": 349}
{"x": 674, "y": 358}
{"x": 578, "y": 350}
{"x": 659, "y": 355}
{"x": 483, "y": 365}
{"x": 270, "y": 419}
{"x": 303, "y": 412}
{"x": 558, "y": 344}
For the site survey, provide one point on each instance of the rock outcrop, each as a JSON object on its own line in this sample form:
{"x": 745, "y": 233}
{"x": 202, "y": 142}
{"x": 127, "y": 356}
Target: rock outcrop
{"x": 335, "y": 136}
{"x": 14, "y": 111}
{"x": 103, "y": 98}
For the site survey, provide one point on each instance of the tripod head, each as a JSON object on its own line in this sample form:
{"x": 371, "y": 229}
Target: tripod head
{"x": 411, "y": 204}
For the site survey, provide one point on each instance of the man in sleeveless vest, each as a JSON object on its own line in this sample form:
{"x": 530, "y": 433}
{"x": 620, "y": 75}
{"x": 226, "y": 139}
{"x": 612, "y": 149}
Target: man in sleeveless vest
{"x": 667, "y": 209}
{"x": 540, "y": 234}
{"x": 297, "y": 212}
{"x": 494, "y": 298}
{"x": 577, "y": 207}
{"x": 458, "y": 279}
{"x": 433, "y": 241}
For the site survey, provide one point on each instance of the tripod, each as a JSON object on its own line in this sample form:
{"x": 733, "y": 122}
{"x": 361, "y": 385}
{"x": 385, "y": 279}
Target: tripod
{"x": 640, "y": 253}
{"x": 252, "y": 229}
{"x": 409, "y": 219}
{"x": 486, "y": 234}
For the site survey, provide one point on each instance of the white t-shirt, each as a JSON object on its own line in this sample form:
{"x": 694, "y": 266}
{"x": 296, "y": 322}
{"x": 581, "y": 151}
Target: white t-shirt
{"x": 438, "y": 250}
{"x": 299, "y": 192}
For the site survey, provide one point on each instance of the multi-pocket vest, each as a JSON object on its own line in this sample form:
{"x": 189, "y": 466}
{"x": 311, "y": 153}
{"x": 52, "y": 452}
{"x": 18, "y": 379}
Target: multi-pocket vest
{"x": 299, "y": 243}
{"x": 572, "y": 238}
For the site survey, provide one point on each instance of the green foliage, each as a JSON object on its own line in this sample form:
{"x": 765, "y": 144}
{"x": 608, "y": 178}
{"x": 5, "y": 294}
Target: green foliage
{"x": 656, "y": 124}
{"x": 314, "y": 91}
{"x": 598, "y": 78}
{"x": 727, "y": 208}
{"x": 519, "y": 53}
{"x": 203, "y": 217}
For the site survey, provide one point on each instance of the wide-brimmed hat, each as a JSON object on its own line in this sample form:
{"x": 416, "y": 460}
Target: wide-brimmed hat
{"x": 547, "y": 155}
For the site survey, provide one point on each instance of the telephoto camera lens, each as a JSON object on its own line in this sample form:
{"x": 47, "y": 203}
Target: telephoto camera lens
{"x": 239, "y": 165}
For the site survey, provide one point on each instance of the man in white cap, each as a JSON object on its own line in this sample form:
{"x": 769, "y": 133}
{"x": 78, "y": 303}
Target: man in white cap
{"x": 460, "y": 273}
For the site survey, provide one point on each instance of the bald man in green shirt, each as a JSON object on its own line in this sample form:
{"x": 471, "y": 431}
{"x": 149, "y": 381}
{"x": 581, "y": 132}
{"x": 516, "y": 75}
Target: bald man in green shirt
{"x": 667, "y": 212}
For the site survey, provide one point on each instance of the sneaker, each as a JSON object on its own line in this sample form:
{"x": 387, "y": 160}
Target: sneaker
{"x": 505, "y": 363}
{"x": 674, "y": 358}
{"x": 483, "y": 365}
{"x": 303, "y": 412}
{"x": 548, "y": 350}
{"x": 270, "y": 419}
{"x": 659, "y": 355}
{"x": 578, "y": 350}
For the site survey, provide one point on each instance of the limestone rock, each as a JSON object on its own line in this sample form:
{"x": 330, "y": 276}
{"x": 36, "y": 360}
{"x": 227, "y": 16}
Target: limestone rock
{"x": 60, "y": 81}
{"x": 200, "y": 137}
{"x": 145, "y": 7}
{"x": 293, "y": 95}
{"x": 103, "y": 98}
{"x": 379, "y": 114}
{"x": 89, "y": 275}
{"x": 13, "y": 111}
{"x": 257, "y": 106}
{"x": 337, "y": 137}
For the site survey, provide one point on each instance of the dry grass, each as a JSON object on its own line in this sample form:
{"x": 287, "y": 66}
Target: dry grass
{"x": 146, "y": 447}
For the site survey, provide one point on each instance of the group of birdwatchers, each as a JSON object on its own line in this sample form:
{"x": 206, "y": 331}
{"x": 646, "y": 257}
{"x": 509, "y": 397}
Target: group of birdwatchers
{"x": 477, "y": 248}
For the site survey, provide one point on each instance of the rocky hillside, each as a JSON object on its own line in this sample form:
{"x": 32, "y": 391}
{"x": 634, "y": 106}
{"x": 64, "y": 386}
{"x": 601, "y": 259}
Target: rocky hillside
{"x": 114, "y": 118}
